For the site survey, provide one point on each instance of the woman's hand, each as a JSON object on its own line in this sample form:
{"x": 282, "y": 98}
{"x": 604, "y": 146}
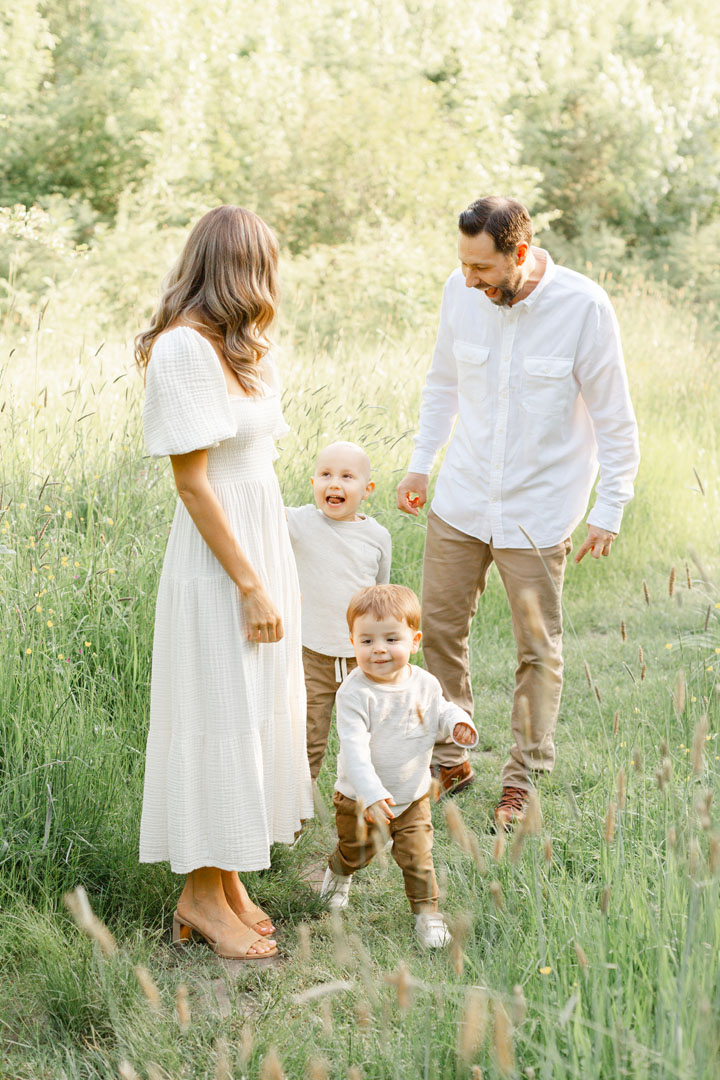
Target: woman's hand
{"x": 264, "y": 624}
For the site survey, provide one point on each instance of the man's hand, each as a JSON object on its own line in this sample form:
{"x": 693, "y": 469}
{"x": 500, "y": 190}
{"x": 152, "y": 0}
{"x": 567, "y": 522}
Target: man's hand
{"x": 599, "y": 542}
{"x": 379, "y": 812}
{"x": 463, "y": 734}
{"x": 412, "y": 493}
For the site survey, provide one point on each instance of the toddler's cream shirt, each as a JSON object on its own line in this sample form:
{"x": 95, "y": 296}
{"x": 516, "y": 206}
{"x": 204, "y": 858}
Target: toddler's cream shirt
{"x": 334, "y": 559}
{"x": 387, "y": 733}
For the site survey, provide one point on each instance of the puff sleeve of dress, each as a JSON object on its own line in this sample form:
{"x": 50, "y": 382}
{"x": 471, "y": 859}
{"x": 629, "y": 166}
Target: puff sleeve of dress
{"x": 186, "y": 398}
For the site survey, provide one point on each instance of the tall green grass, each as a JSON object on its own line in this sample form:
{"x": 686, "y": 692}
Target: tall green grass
{"x": 593, "y": 945}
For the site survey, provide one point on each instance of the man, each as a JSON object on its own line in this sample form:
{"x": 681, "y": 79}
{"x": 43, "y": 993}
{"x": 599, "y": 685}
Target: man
{"x": 528, "y": 358}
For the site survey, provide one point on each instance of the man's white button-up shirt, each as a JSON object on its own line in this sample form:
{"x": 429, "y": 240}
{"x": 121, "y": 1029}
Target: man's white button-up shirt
{"x": 541, "y": 398}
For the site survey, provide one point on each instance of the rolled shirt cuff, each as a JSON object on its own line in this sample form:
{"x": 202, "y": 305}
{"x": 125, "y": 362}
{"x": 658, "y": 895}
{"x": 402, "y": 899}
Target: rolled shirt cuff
{"x": 466, "y": 746}
{"x": 606, "y": 516}
{"x": 421, "y": 462}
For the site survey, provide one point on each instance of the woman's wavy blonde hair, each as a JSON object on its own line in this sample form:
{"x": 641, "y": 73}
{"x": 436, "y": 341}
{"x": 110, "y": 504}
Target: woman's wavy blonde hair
{"x": 225, "y": 285}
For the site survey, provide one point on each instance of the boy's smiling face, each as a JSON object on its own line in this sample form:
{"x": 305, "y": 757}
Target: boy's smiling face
{"x": 341, "y": 480}
{"x": 383, "y": 647}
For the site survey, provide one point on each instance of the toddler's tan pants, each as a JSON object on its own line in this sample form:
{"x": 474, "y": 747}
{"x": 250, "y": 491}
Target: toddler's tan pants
{"x": 323, "y": 678}
{"x": 412, "y": 837}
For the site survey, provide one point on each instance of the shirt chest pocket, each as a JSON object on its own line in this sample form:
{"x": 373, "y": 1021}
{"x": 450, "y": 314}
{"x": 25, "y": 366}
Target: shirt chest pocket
{"x": 548, "y": 384}
{"x": 472, "y": 368}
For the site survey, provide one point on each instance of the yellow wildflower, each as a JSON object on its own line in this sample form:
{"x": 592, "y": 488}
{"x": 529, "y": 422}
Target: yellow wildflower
{"x": 545, "y": 970}
{"x": 38, "y": 608}
{"x": 28, "y": 652}
{"x": 68, "y": 514}
{"x": 50, "y": 622}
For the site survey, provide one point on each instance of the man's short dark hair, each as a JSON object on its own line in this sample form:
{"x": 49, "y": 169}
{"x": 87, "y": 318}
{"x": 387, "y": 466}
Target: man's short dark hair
{"x": 506, "y": 220}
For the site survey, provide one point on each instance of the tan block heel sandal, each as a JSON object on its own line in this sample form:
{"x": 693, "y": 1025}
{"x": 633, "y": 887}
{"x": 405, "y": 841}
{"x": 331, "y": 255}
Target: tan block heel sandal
{"x": 183, "y": 932}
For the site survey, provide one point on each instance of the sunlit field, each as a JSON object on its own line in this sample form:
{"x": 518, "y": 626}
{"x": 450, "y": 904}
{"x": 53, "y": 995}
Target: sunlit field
{"x": 587, "y": 946}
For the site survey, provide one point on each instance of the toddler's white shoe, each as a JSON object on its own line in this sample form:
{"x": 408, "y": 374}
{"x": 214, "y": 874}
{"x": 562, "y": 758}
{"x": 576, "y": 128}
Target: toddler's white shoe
{"x": 432, "y": 930}
{"x": 336, "y": 889}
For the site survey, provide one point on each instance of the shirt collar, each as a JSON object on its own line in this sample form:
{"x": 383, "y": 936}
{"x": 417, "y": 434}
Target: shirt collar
{"x": 548, "y": 275}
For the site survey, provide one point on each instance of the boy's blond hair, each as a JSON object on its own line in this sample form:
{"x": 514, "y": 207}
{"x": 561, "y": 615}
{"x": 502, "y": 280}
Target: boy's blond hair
{"x": 385, "y": 601}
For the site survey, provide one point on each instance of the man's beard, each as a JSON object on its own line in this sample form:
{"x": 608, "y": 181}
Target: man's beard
{"x": 507, "y": 292}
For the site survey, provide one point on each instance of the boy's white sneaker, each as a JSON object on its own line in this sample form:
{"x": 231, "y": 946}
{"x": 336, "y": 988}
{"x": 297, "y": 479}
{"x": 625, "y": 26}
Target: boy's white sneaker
{"x": 336, "y": 889}
{"x": 432, "y": 930}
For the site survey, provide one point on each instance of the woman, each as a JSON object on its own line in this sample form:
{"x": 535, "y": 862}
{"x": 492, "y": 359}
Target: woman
{"x": 226, "y": 769}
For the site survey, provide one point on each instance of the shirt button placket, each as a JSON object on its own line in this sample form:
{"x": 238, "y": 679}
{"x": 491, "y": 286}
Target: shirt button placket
{"x": 497, "y": 461}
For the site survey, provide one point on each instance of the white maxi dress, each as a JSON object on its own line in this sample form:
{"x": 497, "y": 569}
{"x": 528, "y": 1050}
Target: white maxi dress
{"x": 226, "y": 771}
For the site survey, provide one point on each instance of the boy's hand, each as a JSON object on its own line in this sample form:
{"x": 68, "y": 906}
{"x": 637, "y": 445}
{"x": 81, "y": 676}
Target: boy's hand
{"x": 463, "y": 734}
{"x": 380, "y": 812}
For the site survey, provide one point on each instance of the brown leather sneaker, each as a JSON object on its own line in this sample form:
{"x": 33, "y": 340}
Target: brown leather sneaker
{"x": 453, "y": 778}
{"x": 510, "y": 811}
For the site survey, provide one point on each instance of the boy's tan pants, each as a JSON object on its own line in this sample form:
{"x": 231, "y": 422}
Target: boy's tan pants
{"x": 412, "y": 837}
{"x": 321, "y": 685}
{"x": 455, "y": 573}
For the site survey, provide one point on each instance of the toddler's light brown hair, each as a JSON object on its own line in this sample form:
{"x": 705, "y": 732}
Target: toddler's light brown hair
{"x": 383, "y": 602}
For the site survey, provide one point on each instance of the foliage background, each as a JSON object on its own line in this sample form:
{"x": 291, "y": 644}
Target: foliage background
{"x": 358, "y": 130}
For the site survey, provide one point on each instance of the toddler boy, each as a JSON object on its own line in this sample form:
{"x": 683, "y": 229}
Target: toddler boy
{"x": 389, "y": 716}
{"x": 337, "y": 551}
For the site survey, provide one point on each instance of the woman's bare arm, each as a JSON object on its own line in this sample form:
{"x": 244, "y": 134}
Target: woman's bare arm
{"x": 190, "y": 471}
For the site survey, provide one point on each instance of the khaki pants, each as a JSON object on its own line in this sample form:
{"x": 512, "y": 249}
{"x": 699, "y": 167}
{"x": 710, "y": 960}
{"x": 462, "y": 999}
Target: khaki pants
{"x": 412, "y": 840}
{"x": 455, "y": 572}
{"x": 321, "y": 686}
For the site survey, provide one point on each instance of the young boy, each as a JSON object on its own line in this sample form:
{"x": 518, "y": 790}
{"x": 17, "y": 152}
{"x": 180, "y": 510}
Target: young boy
{"x": 337, "y": 551}
{"x": 389, "y": 716}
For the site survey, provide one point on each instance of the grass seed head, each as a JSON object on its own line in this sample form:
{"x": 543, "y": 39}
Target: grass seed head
{"x": 148, "y": 987}
{"x": 499, "y": 845}
{"x": 531, "y": 824}
{"x": 271, "y": 1068}
{"x": 363, "y": 1014}
{"x": 402, "y": 981}
{"x": 688, "y": 576}
{"x": 476, "y": 854}
{"x": 671, "y": 838}
{"x": 504, "y": 1053}
{"x": 641, "y": 656}
{"x": 637, "y": 759}
{"x": 317, "y": 1069}
{"x": 605, "y": 900}
{"x": 79, "y": 907}
{"x": 126, "y": 1071}
{"x": 222, "y": 1060}
{"x": 476, "y": 1073}
{"x": 182, "y": 1006}
{"x": 616, "y": 722}
{"x": 436, "y": 790}
{"x": 679, "y": 696}
{"x": 610, "y": 820}
{"x": 671, "y": 581}
{"x": 548, "y": 850}
{"x": 497, "y": 894}
{"x": 154, "y": 1072}
{"x": 303, "y": 934}
{"x": 703, "y": 805}
{"x": 588, "y": 674}
{"x": 354, "y": 1073}
{"x": 694, "y": 858}
{"x": 714, "y": 854}
{"x": 581, "y": 957}
{"x": 646, "y": 592}
{"x": 623, "y": 630}
{"x": 517, "y": 847}
{"x": 326, "y": 1017}
{"x": 456, "y": 826}
{"x": 473, "y": 1024}
{"x": 698, "y": 747}
{"x": 518, "y": 1007}
{"x": 247, "y": 1041}
{"x": 643, "y": 672}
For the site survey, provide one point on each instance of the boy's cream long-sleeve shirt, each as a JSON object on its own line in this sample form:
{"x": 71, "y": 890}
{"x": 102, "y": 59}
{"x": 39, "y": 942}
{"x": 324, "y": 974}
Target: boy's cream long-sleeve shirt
{"x": 387, "y": 733}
